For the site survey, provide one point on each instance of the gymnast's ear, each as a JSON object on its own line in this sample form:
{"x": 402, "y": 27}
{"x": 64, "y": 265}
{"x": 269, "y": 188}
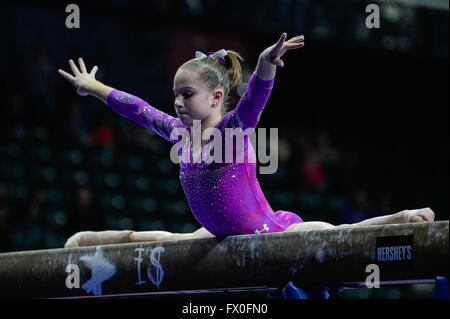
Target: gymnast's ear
{"x": 217, "y": 95}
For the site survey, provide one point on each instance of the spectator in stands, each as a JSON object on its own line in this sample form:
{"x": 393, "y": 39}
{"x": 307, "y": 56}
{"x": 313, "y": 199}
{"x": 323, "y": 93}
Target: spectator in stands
{"x": 5, "y": 222}
{"x": 5, "y": 244}
{"x": 14, "y": 119}
{"x": 358, "y": 208}
{"x": 329, "y": 156}
{"x": 30, "y": 232}
{"x": 83, "y": 215}
{"x": 104, "y": 135}
{"x": 385, "y": 203}
{"x": 313, "y": 172}
{"x": 40, "y": 81}
{"x": 77, "y": 126}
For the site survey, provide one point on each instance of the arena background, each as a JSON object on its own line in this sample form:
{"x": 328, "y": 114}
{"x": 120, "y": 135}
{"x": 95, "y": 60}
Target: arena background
{"x": 362, "y": 113}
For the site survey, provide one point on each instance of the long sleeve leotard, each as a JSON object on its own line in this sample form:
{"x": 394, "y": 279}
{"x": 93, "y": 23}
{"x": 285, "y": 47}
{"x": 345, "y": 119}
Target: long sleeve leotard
{"x": 225, "y": 198}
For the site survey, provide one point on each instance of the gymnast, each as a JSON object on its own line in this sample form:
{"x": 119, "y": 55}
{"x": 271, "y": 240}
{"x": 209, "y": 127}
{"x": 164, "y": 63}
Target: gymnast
{"x": 225, "y": 198}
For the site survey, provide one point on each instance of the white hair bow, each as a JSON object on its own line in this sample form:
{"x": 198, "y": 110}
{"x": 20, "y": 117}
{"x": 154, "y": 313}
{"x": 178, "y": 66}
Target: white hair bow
{"x": 219, "y": 55}
{"x": 216, "y": 55}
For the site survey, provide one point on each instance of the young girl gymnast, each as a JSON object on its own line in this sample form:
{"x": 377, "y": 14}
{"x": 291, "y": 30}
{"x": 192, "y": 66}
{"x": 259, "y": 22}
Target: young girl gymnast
{"x": 224, "y": 197}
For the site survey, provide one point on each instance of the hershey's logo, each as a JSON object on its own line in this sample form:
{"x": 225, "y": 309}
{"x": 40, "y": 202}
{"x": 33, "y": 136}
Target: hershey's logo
{"x": 394, "y": 253}
{"x": 395, "y": 249}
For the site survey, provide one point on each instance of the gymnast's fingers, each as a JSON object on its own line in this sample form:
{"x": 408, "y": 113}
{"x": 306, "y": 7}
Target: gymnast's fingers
{"x": 67, "y": 76}
{"x": 293, "y": 46}
{"x": 82, "y": 66}
{"x": 297, "y": 38}
{"x": 94, "y": 70}
{"x": 279, "y": 62}
{"x": 74, "y": 68}
{"x": 280, "y": 42}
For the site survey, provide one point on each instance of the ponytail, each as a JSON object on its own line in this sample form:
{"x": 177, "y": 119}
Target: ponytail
{"x": 234, "y": 68}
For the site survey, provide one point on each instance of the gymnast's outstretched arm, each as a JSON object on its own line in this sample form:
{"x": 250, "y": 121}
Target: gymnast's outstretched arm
{"x": 260, "y": 85}
{"x": 127, "y": 105}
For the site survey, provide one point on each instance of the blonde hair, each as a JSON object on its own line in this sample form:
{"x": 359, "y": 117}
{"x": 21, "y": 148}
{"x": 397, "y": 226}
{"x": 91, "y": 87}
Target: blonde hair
{"x": 213, "y": 73}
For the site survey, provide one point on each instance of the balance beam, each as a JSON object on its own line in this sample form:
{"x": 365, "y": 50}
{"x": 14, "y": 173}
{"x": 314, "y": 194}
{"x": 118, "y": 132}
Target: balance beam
{"x": 404, "y": 253}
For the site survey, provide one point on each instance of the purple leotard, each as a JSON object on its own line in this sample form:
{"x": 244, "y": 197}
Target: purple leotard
{"x": 225, "y": 198}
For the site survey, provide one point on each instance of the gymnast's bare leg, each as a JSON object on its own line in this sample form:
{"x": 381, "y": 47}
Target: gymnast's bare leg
{"x": 405, "y": 216}
{"x": 110, "y": 237}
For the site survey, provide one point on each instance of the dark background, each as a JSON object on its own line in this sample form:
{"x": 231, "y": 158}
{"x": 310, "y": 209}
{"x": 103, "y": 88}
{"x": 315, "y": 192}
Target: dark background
{"x": 362, "y": 113}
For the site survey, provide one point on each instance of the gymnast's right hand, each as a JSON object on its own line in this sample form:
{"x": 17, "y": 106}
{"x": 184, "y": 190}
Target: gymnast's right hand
{"x": 84, "y": 82}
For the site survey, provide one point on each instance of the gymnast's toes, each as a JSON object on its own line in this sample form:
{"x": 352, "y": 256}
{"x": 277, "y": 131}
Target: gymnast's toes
{"x": 74, "y": 240}
{"x": 418, "y": 215}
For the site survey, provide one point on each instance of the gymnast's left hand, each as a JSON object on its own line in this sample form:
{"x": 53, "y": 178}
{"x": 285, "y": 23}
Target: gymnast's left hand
{"x": 274, "y": 53}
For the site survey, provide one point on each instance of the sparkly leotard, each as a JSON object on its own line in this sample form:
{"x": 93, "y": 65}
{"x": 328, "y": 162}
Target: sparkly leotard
{"x": 225, "y": 197}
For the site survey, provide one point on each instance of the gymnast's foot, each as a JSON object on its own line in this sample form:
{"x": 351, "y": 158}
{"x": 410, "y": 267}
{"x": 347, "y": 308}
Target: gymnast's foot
{"x": 95, "y": 238}
{"x": 414, "y": 216}
{"x": 73, "y": 241}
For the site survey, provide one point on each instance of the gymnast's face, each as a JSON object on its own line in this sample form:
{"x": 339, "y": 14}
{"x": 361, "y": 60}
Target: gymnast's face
{"x": 193, "y": 99}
